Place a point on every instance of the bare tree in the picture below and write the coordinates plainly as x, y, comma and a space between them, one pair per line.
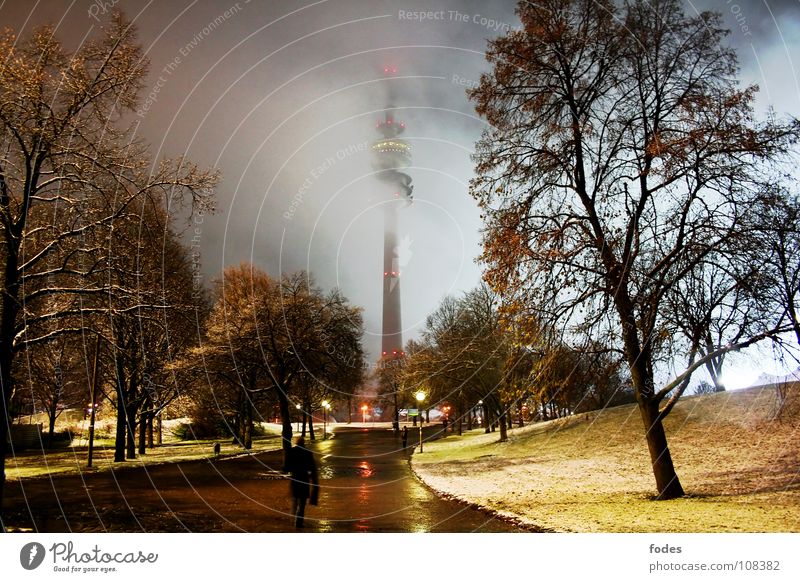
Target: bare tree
389, 377
461, 356
621, 155
283, 337
67, 151
52, 376
704, 388
776, 224
152, 318
234, 368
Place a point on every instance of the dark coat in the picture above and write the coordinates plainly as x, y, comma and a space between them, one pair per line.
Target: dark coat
303, 473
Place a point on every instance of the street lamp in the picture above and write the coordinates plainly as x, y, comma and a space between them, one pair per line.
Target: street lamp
325, 406
297, 406
364, 413
420, 398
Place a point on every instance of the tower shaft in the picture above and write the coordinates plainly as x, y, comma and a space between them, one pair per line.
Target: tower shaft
392, 341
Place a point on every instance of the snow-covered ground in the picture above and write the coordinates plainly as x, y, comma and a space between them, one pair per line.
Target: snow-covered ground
591, 473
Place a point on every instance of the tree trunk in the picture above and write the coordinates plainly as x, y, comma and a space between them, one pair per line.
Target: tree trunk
131, 429
503, 429
143, 432
4, 436
237, 437
247, 436
311, 425
714, 368
667, 482
119, 441
150, 423
520, 412
9, 253
286, 420
249, 410
132, 407
144, 421
159, 433
240, 422
487, 425
51, 428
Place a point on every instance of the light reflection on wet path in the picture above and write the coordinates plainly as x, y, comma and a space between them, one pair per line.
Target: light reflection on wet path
367, 485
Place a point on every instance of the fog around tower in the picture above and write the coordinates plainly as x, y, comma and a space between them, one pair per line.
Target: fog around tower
283, 97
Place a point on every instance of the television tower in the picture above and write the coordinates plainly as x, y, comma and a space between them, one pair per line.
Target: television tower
391, 156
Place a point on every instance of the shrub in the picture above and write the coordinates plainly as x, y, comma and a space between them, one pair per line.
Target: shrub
704, 388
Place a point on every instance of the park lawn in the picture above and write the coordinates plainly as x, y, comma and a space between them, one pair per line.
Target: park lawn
739, 466
73, 459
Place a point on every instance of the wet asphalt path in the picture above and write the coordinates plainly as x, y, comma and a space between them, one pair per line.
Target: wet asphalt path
366, 485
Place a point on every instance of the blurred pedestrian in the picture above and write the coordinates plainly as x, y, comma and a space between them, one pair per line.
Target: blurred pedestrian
304, 483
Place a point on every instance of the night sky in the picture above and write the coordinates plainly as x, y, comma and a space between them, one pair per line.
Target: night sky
283, 98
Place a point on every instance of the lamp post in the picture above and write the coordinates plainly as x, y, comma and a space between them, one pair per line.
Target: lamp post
420, 398
325, 406
297, 406
364, 413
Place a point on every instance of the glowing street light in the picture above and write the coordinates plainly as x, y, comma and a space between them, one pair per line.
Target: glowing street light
364, 413
420, 399
325, 407
297, 406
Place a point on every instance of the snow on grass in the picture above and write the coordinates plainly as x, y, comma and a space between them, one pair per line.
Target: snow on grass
37, 463
738, 464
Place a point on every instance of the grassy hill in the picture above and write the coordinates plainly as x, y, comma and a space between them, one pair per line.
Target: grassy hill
737, 459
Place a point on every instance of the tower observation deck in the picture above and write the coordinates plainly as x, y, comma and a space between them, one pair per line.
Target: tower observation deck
391, 155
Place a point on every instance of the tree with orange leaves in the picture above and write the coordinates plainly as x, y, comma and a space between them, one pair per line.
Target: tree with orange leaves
621, 156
